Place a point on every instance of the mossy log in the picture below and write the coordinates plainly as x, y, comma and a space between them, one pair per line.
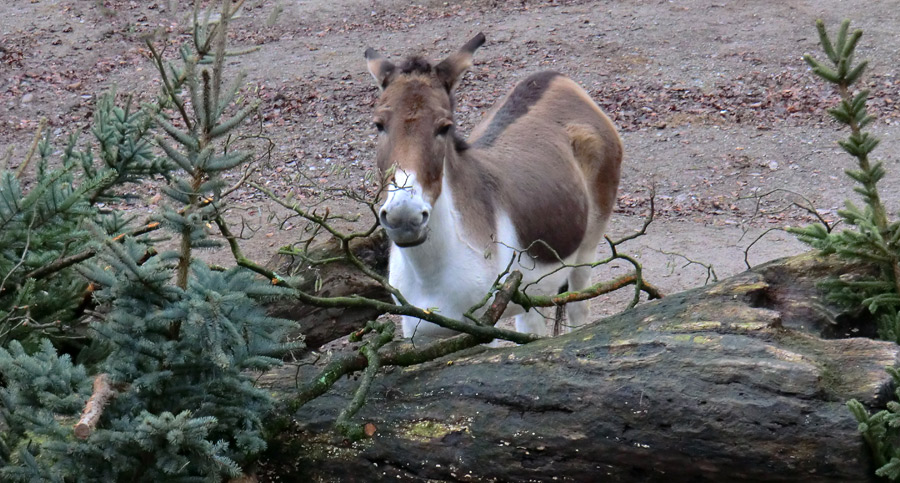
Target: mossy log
730, 382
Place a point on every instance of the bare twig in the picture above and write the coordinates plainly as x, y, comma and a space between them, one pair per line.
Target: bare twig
755, 240
807, 205
22, 258
323, 222
7, 158
710, 271
647, 221
384, 334
240, 182
34, 144
405, 309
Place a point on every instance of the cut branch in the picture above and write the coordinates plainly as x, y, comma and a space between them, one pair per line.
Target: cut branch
101, 395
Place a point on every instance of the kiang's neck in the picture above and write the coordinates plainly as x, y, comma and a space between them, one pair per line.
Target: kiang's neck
447, 236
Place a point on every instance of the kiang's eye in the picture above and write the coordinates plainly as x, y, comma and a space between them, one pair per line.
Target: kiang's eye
379, 125
444, 128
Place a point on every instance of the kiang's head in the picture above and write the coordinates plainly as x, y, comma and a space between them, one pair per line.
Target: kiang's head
414, 118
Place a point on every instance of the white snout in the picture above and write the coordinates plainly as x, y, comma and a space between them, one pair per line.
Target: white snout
404, 215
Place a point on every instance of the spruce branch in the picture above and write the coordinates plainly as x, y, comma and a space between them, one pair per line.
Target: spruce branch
170, 86
188, 410
63, 263
183, 137
218, 65
239, 117
873, 239
852, 112
710, 270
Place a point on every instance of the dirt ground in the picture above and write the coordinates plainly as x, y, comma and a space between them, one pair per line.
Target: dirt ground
713, 100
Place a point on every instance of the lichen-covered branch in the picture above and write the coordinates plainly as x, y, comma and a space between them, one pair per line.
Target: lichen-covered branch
384, 334
405, 353
595, 290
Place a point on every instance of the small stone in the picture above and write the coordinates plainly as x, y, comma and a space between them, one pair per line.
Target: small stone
27, 98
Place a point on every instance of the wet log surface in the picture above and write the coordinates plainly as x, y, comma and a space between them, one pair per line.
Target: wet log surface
730, 382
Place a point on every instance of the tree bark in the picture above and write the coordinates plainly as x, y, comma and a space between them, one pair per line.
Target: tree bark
721, 383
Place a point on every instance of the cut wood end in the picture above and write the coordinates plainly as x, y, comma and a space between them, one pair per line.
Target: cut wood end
83, 430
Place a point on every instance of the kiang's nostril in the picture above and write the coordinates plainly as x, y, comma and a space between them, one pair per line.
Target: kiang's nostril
382, 216
424, 216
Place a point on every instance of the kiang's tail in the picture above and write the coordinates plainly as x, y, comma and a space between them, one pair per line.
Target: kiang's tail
560, 313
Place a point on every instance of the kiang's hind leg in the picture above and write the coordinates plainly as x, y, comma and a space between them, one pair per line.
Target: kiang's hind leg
579, 279
598, 151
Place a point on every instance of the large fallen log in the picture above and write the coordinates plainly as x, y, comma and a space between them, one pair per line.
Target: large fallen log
722, 383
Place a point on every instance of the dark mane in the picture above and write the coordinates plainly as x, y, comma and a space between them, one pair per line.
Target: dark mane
415, 65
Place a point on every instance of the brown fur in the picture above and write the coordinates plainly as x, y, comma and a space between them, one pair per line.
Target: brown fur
561, 159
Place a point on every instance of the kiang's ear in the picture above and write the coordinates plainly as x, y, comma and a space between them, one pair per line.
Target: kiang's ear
451, 69
380, 68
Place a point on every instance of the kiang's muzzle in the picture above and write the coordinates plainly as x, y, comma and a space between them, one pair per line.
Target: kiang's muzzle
404, 215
